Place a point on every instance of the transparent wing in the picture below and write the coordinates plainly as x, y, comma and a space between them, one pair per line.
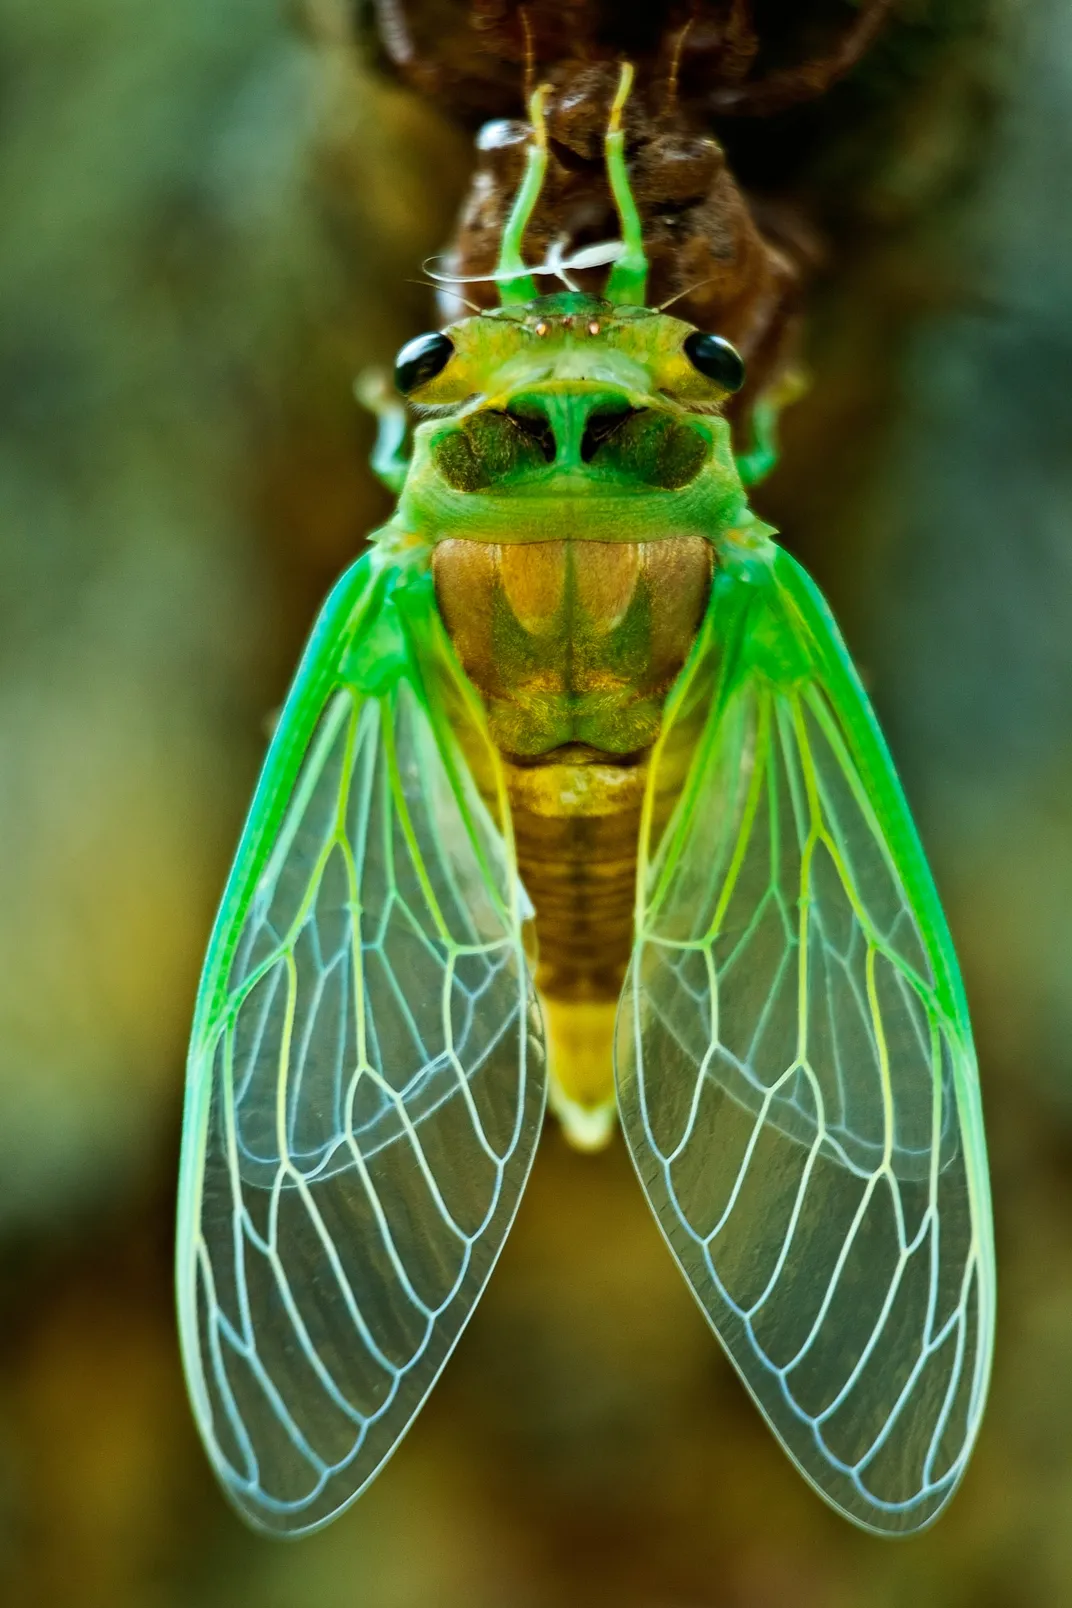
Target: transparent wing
366, 1076
795, 1068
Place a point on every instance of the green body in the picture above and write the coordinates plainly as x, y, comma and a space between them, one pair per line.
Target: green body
576, 769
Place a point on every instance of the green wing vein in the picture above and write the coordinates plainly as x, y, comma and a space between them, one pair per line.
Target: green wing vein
366, 1085
796, 1075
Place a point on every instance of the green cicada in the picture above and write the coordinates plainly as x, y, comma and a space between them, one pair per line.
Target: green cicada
577, 794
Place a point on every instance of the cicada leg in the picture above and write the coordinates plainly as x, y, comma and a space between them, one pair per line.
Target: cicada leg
390, 454
763, 454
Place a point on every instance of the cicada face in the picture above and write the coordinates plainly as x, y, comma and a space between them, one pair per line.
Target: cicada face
571, 404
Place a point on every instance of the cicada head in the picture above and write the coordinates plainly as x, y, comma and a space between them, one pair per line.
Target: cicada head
571, 391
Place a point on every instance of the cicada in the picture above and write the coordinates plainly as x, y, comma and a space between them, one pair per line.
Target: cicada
577, 797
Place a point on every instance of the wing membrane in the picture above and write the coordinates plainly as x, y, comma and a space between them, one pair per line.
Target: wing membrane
795, 1067
366, 1076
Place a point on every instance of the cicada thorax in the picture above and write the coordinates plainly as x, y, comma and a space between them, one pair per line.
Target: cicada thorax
573, 642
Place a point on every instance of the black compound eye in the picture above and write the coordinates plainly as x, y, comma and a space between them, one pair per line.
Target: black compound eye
421, 359
715, 358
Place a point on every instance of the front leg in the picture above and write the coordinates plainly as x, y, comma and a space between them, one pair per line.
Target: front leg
756, 463
390, 454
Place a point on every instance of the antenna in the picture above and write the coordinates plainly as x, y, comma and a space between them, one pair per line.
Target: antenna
675, 68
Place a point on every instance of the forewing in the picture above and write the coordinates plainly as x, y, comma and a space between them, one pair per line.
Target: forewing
366, 1077
795, 1068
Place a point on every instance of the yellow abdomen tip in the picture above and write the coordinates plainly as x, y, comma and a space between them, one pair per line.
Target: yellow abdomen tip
580, 1042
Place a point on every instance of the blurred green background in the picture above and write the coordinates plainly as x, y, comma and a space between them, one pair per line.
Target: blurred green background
212, 216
